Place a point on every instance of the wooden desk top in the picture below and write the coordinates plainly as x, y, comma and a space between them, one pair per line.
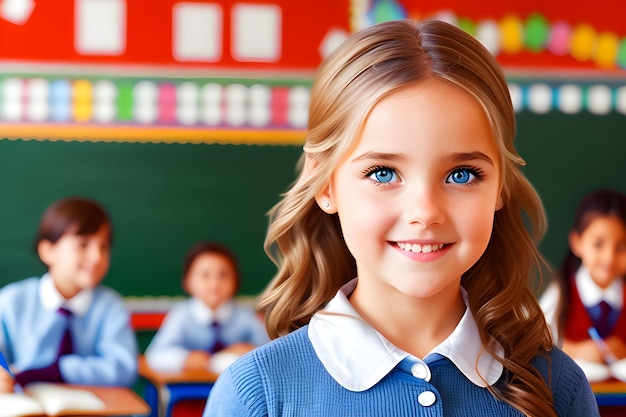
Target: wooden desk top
163, 378
118, 401
612, 386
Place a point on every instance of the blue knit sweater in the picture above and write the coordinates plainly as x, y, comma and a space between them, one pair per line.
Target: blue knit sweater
285, 378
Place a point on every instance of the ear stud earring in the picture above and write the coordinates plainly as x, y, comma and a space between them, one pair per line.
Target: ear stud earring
326, 204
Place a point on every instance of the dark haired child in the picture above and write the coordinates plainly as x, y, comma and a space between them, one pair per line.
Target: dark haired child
65, 326
585, 304
210, 329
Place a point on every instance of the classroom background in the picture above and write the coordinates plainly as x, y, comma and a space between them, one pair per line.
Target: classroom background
186, 119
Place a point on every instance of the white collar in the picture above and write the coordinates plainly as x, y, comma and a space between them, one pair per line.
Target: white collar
52, 299
358, 357
591, 294
204, 315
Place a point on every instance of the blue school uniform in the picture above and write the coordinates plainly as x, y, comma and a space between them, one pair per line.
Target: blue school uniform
339, 365
104, 347
187, 327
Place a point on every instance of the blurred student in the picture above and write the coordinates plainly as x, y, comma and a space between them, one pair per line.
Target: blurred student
585, 304
65, 326
210, 329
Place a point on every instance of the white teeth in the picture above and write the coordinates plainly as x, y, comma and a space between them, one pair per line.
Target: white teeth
417, 248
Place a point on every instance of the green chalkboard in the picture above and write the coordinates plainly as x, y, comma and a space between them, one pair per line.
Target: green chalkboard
568, 156
164, 197
161, 197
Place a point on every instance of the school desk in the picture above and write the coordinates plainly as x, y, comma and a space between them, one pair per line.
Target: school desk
118, 401
186, 385
610, 393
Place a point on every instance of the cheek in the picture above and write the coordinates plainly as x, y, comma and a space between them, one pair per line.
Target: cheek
104, 263
366, 233
621, 260
364, 218
587, 254
229, 289
194, 285
220, 286
477, 229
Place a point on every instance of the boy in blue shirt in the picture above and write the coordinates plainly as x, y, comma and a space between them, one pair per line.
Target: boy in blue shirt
65, 326
210, 329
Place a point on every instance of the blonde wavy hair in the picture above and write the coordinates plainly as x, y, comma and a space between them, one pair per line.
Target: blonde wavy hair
307, 244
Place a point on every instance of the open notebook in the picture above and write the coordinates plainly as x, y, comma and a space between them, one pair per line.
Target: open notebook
51, 400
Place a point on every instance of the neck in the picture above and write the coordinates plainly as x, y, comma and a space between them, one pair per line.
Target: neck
413, 324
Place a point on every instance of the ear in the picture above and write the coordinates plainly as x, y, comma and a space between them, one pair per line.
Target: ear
325, 200
45, 250
499, 202
574, 242
185, 285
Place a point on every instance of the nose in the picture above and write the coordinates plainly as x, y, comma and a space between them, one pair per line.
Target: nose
425, 206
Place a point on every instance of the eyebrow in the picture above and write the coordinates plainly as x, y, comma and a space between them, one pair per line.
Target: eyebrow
381, 156
471, 156
393, 157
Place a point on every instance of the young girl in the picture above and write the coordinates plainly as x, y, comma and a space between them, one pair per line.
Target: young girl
589, 290
210, 329
65, 326
411, 183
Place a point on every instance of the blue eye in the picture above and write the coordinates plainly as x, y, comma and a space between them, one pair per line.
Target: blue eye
461, 176
382, 175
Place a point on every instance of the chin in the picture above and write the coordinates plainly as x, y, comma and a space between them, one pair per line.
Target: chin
211, 305
89, 283
420, 290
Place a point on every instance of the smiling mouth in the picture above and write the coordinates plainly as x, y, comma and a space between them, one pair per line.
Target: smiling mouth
417, 248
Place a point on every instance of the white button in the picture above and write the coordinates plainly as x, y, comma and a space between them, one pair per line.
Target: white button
427, 398
421, 370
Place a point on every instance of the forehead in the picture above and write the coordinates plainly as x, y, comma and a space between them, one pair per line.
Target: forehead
104, 231
211, 259
610, 227
434, 112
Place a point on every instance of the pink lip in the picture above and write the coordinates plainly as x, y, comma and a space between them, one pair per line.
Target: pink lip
423, 257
